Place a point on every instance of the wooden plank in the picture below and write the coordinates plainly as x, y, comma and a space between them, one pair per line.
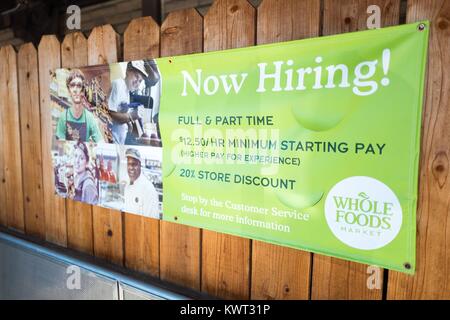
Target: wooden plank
334, 278
180, 254
141, 41
342, 16
49, 59
280, 272
79, 226
9, 106
30, 129
225, 265
432, 278
3, 217
181, 33
3, 212
225, 258
338, 279
287, 20
103, 47
229, 24
79, 214
74, 50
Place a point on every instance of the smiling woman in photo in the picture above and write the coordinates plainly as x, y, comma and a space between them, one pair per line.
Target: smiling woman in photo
85, 185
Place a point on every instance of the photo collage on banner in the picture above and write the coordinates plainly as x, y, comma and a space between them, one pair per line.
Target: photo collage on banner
106, 147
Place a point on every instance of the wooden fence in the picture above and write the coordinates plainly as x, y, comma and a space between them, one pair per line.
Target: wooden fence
221, 265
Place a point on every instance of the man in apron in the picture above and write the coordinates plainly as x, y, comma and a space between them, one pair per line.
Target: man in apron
77, 123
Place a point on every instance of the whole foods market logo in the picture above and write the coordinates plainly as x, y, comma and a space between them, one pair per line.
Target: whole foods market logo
363, 213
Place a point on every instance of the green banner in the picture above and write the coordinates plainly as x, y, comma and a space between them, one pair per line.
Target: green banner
311, 144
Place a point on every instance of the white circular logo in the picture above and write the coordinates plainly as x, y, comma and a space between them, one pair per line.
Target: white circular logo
363, 213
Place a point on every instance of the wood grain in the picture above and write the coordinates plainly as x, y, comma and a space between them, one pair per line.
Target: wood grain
141, 41
9, 106
225, 258
74, 50
287, 20
181, 33
229, 24
281, 272
30, 132
432, 278
3, 217
103, 47
338, 279
49, 59
341, 16
79, 214
3, 212
332, 277
79, 226
180, 254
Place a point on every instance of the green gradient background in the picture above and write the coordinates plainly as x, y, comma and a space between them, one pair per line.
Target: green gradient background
392, 115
